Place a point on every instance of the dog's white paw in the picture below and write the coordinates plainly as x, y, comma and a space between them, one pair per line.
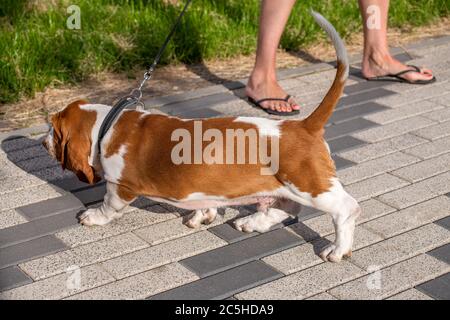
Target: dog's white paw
255, 222
93, 217
198, 217
261, 221
332, 253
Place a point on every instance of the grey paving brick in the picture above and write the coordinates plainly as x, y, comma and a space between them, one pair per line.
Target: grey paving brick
356, 112
445, 222
347, 127
443, 100
430, 149
70, 183
306, 283
27, 153
410, 218
441, 253
438, 288
322, 296
306, 255
418, 192
52, 173
141, 285
37, 228
25, 251
410, 294
345, 143
403, 112
161, 254
12, 277
199, 113
224, 284
305, 71
401, 247
308, 213
230, 234
434, 132
425, 169
60, 286
375, 150
11, 144
193, 94
412, 94
428, 43
375, 186
34, 131
91, 195
241, 252
341, 163
375, 167
10, 184
135, 219
364, 86
363, 97
441, 115
394, 279
10, 218
378, 133
174, 228
198, 103
81, 256
50, 207
29, 195
38, 163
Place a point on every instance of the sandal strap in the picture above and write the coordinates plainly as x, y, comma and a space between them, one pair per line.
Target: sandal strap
416, 69
274, 99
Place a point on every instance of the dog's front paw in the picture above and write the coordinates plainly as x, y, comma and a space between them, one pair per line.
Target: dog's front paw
332, 253
93, 217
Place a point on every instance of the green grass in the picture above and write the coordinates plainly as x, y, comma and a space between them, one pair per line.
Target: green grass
38, 50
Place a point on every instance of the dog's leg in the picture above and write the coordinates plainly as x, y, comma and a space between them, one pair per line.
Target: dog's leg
344, 210
202, 216
261, 221
111, 207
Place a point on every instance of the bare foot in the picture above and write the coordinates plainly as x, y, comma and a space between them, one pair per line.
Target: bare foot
261, 89
382, 64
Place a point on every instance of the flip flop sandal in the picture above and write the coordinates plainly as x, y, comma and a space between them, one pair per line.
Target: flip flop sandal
270, 111
397, 77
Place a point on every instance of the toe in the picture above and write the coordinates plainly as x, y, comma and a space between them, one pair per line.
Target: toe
293, 104
278, 107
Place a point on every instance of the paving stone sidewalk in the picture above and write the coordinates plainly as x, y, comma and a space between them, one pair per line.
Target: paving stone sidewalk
391, 145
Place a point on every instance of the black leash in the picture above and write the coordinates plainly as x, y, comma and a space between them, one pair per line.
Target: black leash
134, 98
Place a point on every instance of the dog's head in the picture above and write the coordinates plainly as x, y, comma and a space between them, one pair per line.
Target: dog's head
69, 140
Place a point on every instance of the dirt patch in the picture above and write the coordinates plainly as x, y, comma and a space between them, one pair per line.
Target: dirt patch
168, 80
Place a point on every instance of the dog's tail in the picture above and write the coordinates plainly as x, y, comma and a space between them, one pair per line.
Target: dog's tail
317, 120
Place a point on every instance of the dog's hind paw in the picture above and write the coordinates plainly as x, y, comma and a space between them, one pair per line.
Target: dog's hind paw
332, 253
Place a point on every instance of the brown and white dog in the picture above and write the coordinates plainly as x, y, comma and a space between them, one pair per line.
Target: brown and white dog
137, 160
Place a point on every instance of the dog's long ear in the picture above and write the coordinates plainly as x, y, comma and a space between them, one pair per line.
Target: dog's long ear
79, 149
60, 139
